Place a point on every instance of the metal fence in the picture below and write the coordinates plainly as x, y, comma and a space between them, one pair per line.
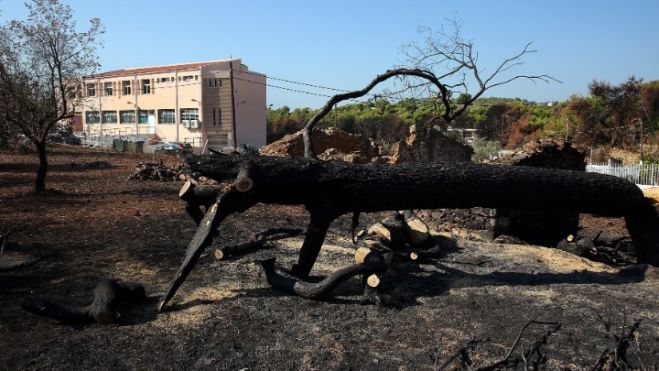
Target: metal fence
647, 174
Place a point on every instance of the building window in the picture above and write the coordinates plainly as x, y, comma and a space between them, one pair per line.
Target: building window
110, 117
91, 90
127, 117
108, 88
214, 83
144, 115
188, 77
166, 116
217, 116
125, 87
189, 114
92, 117
146, 86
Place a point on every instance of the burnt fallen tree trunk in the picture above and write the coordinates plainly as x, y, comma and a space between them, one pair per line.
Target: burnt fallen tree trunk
108, 295
331, 189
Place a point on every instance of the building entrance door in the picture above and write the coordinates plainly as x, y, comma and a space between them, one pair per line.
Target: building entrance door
152, 122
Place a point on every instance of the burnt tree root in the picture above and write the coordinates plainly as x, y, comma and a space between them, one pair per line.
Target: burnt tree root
108, 296
373, 263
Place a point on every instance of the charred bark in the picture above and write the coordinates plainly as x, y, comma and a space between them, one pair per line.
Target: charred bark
330, 189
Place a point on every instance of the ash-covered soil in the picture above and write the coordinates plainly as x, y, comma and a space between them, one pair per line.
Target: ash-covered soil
460, 309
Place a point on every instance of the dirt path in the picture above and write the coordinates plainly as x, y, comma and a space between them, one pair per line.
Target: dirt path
98, 224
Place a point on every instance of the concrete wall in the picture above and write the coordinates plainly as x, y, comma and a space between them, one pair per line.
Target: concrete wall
250, 101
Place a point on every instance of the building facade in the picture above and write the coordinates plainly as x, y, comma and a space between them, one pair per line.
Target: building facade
214, 104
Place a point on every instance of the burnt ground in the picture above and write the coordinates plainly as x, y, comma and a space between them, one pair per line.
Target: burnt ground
473, 297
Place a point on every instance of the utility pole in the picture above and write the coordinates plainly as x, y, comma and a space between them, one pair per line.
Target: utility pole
233, 106
177, 115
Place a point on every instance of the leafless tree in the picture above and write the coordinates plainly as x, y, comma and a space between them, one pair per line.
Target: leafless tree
440, 66
41, 61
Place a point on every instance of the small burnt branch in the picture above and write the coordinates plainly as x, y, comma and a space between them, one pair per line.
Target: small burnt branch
553, 327
257, 242
533, 354
4, 238
618, 359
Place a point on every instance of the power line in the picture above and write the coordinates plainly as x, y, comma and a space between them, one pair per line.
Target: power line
291, 90
374, 95
297, 82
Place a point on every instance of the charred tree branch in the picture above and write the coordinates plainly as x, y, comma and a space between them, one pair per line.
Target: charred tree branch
108, 295
427, 75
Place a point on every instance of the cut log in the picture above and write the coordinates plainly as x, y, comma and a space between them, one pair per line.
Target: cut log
399, 232
361, 253
108, 295
373, 280
379, 230
245, 179
374, 246
414, 255
419, 233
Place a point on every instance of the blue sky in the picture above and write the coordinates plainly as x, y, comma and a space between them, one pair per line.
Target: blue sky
344, 44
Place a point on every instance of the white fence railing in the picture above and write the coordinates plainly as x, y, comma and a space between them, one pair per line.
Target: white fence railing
647, 174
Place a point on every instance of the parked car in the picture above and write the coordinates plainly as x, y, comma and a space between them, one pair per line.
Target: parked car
63, 137
68, 138
173, 147
54, 137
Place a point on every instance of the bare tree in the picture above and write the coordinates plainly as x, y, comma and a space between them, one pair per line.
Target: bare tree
41, 61
447, 65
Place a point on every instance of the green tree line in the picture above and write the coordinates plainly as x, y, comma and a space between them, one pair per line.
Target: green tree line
610, 115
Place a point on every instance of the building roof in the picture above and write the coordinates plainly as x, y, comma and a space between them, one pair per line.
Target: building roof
155, 69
